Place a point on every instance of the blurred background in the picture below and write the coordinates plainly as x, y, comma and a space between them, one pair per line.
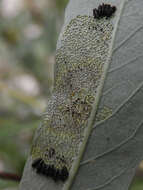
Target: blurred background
28, 34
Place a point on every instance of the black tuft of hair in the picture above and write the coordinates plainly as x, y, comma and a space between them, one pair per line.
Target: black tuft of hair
50, 171
104, 10
36, 162
64, 173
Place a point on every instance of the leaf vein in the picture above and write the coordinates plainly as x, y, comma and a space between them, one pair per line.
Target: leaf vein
127, 38
121, 106
109, 181
123, 65
114, 148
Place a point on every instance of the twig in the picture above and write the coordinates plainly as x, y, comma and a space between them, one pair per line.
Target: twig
10, 176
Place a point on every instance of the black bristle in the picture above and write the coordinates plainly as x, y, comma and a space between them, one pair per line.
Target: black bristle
56, 175
50, 170
39, 167
36, 162
95, 13
51, 152
46, 172
64, 174
100, 10
104, 10
43, 165
114, 9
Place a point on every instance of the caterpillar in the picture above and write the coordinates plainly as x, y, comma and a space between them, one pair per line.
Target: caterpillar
104, 10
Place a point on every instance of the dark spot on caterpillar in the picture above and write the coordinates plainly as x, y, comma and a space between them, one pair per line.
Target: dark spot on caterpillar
51, 152
50, 171
101, 29
36, 162
56, 175
104, 10
64, 174
73, 113
61, 159
94, 28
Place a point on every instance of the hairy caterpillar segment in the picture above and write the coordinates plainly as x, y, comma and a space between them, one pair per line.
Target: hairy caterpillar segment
103, 113
50, 170
104, 10
79, 67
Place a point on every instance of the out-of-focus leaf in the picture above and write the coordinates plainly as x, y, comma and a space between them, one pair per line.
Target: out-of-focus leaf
61, 4
10, 145
7, 184
12, 127
137, 184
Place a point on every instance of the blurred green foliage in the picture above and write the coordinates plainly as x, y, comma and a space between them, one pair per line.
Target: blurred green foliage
27, 48
61, 4
7, 184
137, 184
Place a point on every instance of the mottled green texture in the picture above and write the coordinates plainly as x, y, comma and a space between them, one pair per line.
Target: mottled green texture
78, 70
103, 114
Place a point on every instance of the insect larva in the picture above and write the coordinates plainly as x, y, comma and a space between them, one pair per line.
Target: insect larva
104, 10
